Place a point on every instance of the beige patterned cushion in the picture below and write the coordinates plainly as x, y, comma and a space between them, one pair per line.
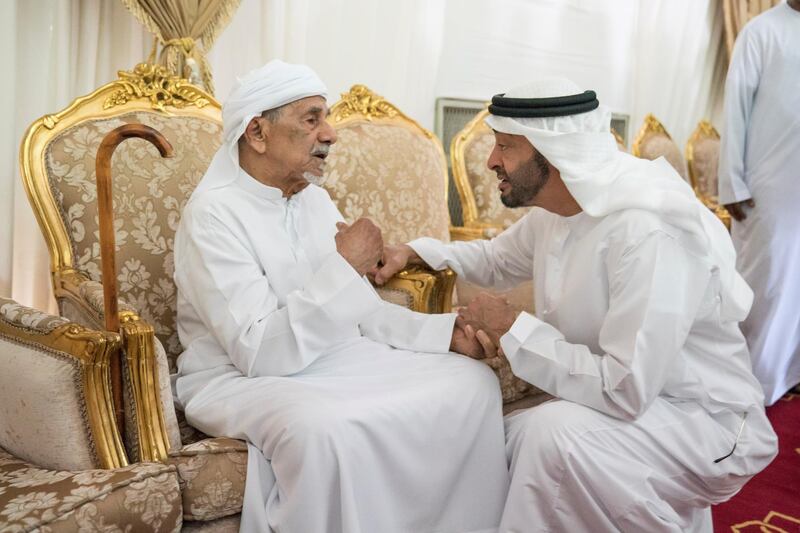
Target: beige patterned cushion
483, 181
142, 497
212, 474
28, 318
42, 406
656, 144
149, 194
392, 175
705, 165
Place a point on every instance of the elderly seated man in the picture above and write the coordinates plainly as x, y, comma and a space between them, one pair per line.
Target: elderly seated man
357, 416
657, 414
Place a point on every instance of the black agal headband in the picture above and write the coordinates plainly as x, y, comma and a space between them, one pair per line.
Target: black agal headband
557, 106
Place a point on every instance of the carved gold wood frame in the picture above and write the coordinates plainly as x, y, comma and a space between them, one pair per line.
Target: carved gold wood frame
147, 88
704, 130
458, 148
650, 126
93, 350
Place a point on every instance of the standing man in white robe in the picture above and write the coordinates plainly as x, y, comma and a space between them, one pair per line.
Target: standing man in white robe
759, 184
656, 414
357, 416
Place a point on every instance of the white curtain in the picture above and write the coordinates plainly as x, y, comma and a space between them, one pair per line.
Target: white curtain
659, 56
52, 51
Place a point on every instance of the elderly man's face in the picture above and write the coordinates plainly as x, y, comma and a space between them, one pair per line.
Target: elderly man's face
521, 169
300, 137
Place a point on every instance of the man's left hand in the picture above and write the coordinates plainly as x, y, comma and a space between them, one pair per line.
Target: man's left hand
492, 314
473, 343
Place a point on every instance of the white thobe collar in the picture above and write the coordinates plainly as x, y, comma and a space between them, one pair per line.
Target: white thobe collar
253, 186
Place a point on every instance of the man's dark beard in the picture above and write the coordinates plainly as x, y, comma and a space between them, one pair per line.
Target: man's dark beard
526, 181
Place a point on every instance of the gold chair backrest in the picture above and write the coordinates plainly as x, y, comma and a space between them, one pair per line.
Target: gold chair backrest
476, 184
653, 141
58, 167
387, 167
702, 158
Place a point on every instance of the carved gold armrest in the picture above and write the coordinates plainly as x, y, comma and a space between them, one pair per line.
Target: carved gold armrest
428, 291
81, 299
93, 351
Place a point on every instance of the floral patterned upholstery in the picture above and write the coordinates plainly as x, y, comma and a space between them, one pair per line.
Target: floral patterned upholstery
212, 475
142, 497
653, 142
149, 194
28, 318
391, 174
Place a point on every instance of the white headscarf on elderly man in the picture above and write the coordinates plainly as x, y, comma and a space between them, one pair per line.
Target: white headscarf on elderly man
603, 179
268, 87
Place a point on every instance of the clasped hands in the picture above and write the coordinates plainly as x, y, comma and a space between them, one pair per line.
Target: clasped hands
478, 326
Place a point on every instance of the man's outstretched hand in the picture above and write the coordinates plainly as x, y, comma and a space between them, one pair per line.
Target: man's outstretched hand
492, 314
737, 210
360, 243
395, 258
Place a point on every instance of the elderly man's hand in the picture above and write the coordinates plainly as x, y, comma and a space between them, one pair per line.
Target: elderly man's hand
473, 343
491, 313
395, 258
361, 244
736, 209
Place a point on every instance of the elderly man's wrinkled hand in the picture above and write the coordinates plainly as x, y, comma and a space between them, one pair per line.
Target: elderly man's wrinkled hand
737, 210
491, 313
395, 258
360, 243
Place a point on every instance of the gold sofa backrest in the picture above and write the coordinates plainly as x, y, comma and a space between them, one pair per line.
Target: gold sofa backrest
653, 141
476, 184
702, 158
58, 167
387, 167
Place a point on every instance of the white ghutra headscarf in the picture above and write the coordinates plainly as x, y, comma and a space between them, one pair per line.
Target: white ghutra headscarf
271, 86
603, 180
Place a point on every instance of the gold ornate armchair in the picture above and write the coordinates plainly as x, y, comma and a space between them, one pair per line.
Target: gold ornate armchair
62, 463
653, 141
387, 167
57, 160
702, 158
480, 200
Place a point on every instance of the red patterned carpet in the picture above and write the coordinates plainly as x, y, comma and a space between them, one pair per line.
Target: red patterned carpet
770, 502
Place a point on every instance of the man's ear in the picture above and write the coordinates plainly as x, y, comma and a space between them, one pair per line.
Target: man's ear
255, 134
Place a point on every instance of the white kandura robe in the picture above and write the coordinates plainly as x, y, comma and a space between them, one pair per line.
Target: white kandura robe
652, 385
760, 159
289, 349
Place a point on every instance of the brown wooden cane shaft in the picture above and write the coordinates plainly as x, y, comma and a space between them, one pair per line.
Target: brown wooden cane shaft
105, 213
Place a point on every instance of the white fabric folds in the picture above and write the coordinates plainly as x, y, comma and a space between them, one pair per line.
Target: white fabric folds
604, 180
271, 86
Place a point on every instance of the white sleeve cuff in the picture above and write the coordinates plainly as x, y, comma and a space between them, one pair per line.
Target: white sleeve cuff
336, 284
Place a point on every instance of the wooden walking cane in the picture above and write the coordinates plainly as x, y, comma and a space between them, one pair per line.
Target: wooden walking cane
105, 213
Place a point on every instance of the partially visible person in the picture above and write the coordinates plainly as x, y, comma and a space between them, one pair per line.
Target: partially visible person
636, 333
759, 184
357, 416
